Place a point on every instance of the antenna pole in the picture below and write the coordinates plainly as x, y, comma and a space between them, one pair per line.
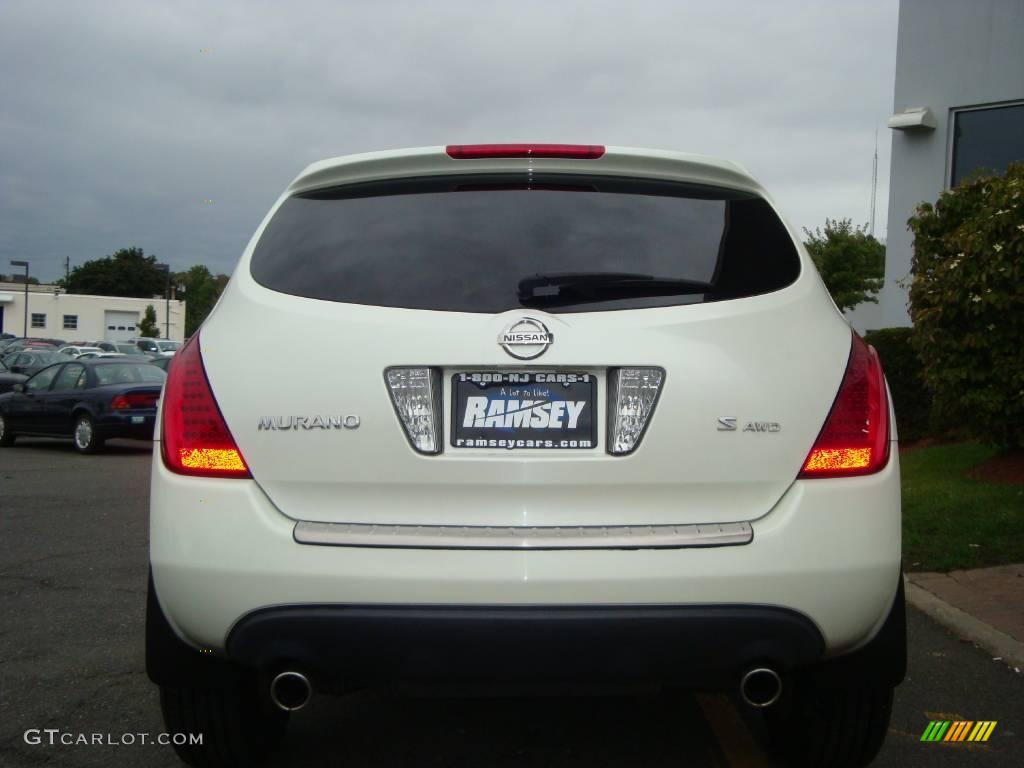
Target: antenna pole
874, 184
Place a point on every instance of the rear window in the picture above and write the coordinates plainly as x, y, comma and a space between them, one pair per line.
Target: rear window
128, 374
467, 244
43, 358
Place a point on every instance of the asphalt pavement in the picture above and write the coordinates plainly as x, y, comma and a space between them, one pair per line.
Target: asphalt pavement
73, 561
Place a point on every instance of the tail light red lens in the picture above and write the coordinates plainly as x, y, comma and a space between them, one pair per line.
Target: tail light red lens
134, 400
195, 438
855, 438
479, 151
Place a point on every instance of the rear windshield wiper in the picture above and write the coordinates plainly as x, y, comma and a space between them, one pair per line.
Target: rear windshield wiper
577, 287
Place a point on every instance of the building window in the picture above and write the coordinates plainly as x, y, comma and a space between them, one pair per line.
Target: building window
38, 320
988, 138
70, 322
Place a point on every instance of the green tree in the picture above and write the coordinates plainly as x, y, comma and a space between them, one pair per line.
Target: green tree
968, 307
127, 272
850, 261
148, 327
201, 290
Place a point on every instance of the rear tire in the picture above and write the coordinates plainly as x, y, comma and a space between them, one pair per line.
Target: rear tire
238, 726
833, 727
84, 435
6, 436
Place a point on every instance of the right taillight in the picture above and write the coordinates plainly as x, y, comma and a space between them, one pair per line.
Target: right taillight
855, 438
195, 439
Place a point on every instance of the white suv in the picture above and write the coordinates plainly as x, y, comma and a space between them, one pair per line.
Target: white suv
563, 414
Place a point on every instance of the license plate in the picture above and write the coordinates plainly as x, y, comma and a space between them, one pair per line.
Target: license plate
138, 419
524, 409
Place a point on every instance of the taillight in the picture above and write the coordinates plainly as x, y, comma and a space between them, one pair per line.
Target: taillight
195, 439
479, 151
855, 438
133, 400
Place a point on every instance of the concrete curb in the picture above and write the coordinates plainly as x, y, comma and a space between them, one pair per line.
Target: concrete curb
989, 638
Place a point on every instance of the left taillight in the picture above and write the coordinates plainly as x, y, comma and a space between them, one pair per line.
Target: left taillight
131, 400
855, 438
195, 440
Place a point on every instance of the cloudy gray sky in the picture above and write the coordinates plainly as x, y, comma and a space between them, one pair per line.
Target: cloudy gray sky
118, 119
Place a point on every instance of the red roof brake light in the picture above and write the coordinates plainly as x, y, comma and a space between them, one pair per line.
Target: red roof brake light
195, 438
855, 438
481, 151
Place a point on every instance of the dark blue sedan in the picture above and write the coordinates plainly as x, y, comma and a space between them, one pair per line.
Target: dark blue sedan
89, 401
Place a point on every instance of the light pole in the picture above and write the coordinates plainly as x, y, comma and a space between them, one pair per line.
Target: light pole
24, 264
167, 301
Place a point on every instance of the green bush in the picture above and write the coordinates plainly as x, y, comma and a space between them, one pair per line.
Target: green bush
910, 396
967, 304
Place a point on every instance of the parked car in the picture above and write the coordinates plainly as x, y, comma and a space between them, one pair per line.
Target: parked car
168, 347
77, 351
91, 355
147, 346
19, 345
593, 418
161, 362
9, 379
128, 348
89, 401
28, 361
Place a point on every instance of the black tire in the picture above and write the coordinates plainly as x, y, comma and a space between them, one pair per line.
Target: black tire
6, 436
238, 726
833, 727
84, 435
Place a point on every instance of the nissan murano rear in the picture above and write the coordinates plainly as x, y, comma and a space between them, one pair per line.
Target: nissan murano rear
554, 416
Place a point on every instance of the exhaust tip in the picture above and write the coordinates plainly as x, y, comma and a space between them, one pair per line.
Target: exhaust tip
761, 687
290, 691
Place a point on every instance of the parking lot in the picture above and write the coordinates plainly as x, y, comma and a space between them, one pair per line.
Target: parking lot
73, 566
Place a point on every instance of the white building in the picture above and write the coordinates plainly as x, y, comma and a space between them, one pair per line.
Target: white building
959, 106
72, 317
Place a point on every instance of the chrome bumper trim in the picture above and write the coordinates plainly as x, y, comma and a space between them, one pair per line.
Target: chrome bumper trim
523, 538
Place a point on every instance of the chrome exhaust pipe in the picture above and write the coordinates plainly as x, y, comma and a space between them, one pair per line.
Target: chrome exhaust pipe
761, 687
290, 691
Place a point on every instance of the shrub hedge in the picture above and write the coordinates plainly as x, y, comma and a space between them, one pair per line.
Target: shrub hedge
967, 304
910, 396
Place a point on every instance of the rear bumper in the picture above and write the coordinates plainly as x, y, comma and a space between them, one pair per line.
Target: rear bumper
111, 425
344, 647
829, 551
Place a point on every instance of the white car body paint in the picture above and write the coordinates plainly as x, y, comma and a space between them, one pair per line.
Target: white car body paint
829, 549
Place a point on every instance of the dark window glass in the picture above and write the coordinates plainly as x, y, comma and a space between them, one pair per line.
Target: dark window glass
71, 322
128, 374
38, 320
68, 378
42, 380
465, 244
42, 358
987, 139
